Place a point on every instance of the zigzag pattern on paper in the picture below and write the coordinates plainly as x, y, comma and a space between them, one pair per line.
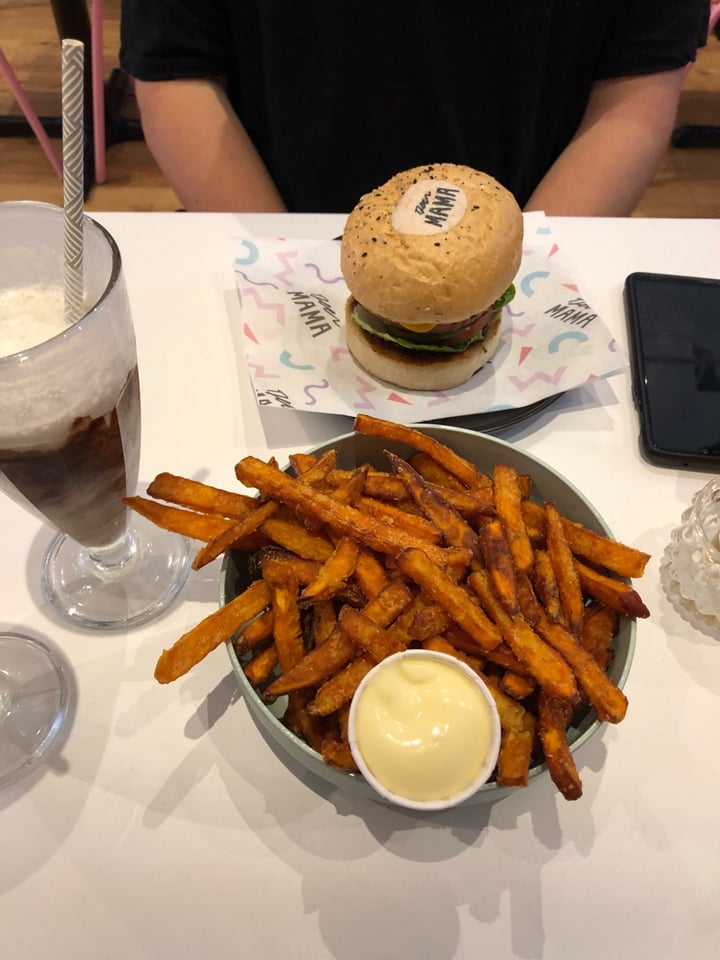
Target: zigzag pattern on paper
261, 373
337, 353
554, 379
363, 390
284, 259
274, 307
521, 331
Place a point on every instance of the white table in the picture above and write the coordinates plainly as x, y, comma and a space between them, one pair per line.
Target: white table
167, 827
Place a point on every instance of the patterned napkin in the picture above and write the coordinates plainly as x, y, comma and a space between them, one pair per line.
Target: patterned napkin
293, 306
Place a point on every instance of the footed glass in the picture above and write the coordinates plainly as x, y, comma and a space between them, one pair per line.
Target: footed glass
70, 424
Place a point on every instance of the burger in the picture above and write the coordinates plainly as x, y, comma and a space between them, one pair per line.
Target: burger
429, 259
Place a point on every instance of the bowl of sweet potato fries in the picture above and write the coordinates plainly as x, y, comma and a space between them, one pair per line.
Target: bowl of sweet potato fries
394, 537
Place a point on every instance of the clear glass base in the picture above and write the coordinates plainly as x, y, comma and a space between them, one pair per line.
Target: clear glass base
123, 585
34, 701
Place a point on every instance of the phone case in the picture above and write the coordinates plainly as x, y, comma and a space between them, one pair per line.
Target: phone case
653, 452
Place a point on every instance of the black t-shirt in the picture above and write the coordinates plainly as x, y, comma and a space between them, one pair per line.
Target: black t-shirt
338, 97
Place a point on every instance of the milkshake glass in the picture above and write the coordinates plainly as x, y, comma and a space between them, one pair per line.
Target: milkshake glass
70, 423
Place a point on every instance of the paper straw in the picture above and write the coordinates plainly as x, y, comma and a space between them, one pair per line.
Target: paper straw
73, 173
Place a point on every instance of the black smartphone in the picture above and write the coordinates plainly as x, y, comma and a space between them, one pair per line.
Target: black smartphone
674, 332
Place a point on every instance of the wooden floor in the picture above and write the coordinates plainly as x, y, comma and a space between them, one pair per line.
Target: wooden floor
687, 185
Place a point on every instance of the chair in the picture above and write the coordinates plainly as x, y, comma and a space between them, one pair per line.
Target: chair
30, 115
104, 123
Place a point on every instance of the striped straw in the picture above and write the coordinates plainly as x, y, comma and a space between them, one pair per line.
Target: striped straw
73, 174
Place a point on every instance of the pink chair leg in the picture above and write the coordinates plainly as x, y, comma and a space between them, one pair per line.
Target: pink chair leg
30, 115
98, 88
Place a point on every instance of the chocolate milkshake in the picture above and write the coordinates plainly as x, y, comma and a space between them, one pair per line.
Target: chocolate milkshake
71, 455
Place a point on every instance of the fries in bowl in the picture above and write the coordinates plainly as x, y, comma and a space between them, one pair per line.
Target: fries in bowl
396, 537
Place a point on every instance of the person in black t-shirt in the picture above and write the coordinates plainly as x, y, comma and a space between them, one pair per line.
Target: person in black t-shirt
279, 104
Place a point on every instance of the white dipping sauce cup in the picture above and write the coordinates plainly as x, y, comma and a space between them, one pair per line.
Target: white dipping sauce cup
483, 713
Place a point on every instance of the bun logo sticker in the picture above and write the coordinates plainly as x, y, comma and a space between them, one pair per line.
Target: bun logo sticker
429, 206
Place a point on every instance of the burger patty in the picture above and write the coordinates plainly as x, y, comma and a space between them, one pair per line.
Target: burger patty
444, 337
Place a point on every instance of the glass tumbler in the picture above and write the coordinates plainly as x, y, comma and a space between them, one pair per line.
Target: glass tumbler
692, 560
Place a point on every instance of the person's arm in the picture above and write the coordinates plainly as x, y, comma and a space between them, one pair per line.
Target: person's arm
203, 149
617, 149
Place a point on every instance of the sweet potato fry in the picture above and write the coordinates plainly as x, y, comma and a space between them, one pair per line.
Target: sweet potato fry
339, 690
553, 716
499, 563
517, 737
513, 766
616, 594
455, 599
544, 663
287, 630
546, 586
454, 528
376, 641
609, 701
324, 622
599, 626
235, 535
442, 645
337, 753
593, 547
465, 471
261, 667
314, 730
508, 506
200, 497
397, 517
563, 564
254, 633
333, 574
370, 574
315, 667
352, 488
432, 471
376, 483
194, 645
618, 557
313, 469
196, 526
319, 664
294, 537
425, 619
304, 570
517, 685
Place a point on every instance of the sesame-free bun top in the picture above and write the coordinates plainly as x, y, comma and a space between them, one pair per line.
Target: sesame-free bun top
435, 244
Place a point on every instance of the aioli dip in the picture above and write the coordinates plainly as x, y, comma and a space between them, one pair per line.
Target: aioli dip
424, 729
